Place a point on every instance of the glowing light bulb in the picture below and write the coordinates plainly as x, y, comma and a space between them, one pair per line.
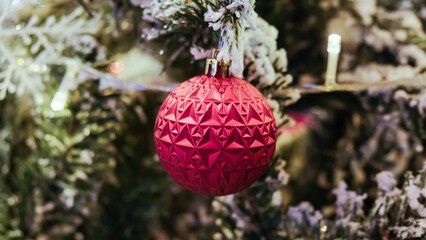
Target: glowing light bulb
59, 100
15, 2
333, 49
116, 67
334, 41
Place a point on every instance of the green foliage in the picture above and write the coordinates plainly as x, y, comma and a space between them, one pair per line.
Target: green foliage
50, 169
91, 172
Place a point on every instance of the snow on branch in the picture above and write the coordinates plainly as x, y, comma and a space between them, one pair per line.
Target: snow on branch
246, 39
27, 51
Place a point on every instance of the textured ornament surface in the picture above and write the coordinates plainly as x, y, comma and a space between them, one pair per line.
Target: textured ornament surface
215, 136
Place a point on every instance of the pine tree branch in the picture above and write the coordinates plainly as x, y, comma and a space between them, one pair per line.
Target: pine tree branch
85, 7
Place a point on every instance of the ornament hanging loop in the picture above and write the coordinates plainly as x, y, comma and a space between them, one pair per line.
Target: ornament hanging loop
217, 68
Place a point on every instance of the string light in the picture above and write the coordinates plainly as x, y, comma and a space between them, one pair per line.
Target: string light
107, 80
333, 50
20, 61
60, 98
15, 2
116, 67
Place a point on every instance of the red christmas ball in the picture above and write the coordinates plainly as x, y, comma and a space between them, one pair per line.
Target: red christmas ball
215, 135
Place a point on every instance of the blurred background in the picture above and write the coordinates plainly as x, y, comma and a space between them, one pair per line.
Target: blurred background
81, 83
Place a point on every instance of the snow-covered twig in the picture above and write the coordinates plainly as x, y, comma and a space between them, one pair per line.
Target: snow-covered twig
246, 39
4, 13
28, 51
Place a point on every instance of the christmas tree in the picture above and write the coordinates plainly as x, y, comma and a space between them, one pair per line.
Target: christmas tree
82, 81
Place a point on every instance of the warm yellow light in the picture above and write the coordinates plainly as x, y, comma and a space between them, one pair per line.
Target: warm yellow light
333, 49
116, 67
334, 43
59, 100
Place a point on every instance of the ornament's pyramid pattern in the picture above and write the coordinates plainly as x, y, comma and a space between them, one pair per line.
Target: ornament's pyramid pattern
215, 136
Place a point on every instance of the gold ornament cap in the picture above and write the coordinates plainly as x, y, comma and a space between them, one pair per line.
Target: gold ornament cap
217, 68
